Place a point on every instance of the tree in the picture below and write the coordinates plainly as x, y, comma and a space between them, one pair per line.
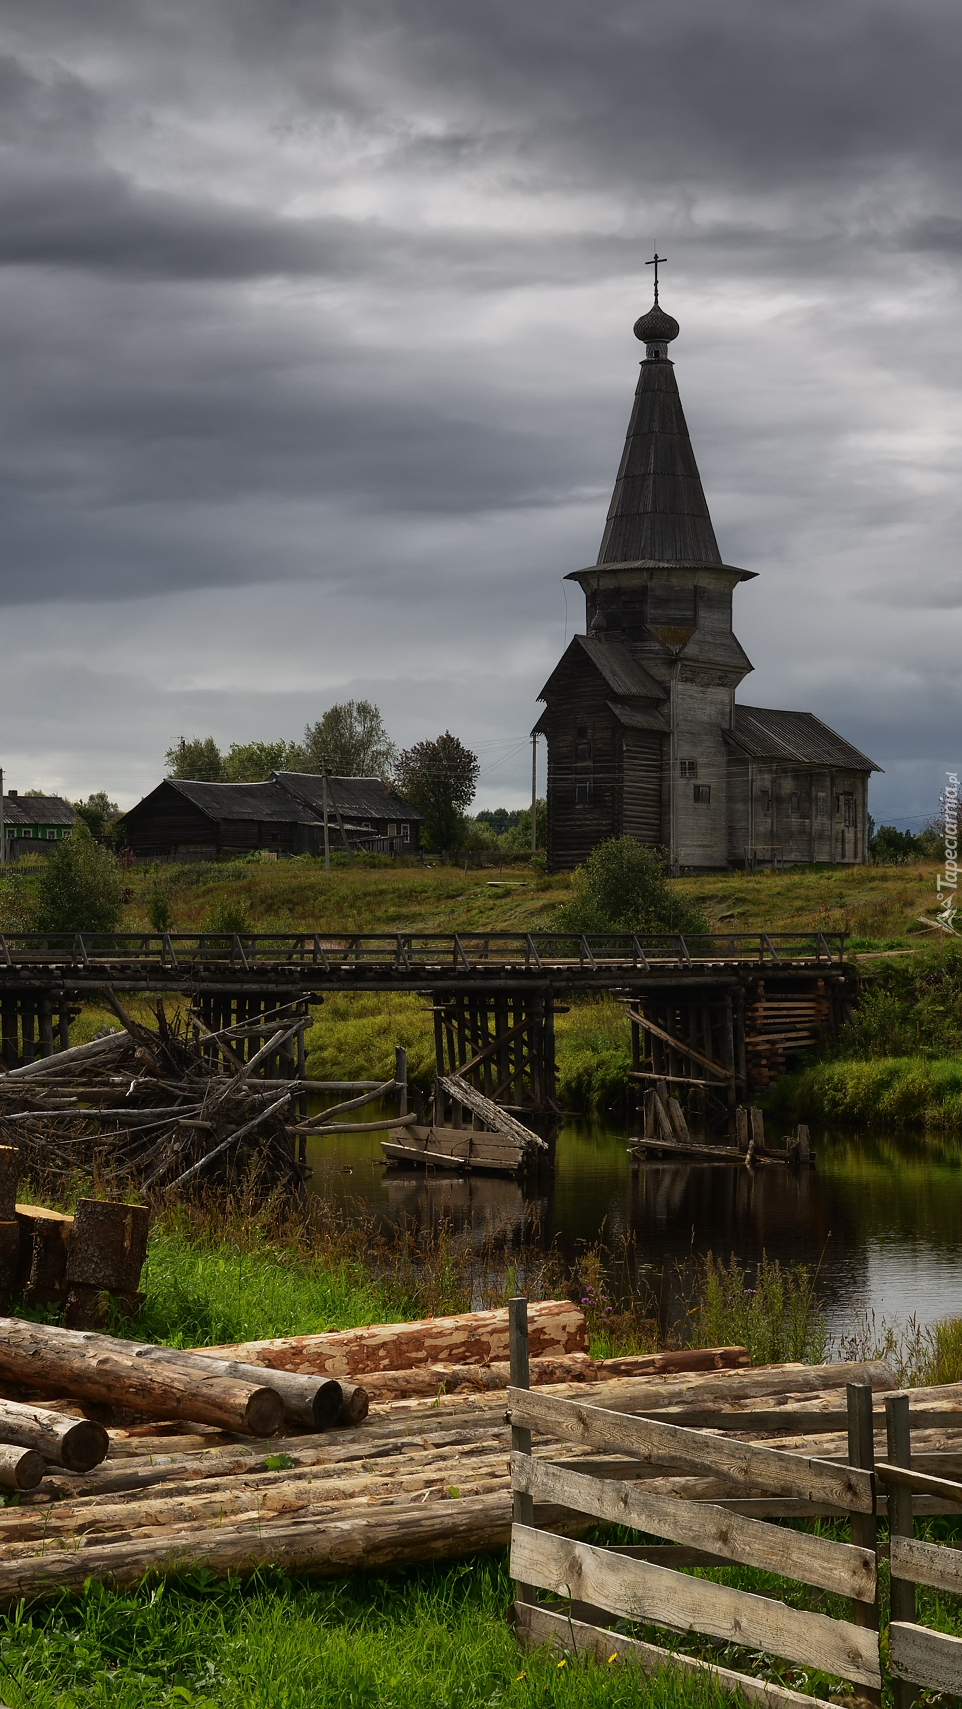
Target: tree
350, 740
889, 847
251, 762
439, 778
199, 760
622, 887
81, 887
98, 812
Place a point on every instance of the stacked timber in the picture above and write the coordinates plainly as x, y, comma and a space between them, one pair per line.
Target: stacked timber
777, 1026
487, 1137
416, 1482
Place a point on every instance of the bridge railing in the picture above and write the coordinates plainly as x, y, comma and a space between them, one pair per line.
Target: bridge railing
405, 951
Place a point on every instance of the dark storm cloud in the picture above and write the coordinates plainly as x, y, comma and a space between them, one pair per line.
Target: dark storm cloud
332, 300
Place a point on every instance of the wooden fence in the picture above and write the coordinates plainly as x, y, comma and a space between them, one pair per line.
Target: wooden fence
645, 1585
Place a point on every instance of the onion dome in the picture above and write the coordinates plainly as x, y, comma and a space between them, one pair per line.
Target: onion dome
656, 327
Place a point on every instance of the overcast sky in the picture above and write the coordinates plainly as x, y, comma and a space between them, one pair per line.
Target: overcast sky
316, 360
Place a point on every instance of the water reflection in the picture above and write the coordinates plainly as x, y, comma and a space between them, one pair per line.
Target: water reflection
880, 1216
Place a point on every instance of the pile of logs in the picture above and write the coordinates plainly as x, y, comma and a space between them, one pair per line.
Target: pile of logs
420, 1480
666, 1134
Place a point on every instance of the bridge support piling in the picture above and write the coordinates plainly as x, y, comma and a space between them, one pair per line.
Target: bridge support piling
503, 1044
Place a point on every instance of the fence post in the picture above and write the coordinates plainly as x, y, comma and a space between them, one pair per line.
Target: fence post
901, 1524
401, 1076
863, 1527
522, 1505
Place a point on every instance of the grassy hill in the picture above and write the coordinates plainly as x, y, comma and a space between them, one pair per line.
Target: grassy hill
879, 906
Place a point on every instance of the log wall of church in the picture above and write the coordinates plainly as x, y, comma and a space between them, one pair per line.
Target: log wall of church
806, 815
702, 712
644, 795
584, 776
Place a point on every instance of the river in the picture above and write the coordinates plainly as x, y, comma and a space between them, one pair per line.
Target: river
880, 1216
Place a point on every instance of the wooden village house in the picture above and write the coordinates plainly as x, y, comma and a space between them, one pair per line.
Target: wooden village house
32, 824
181, 820
644, 734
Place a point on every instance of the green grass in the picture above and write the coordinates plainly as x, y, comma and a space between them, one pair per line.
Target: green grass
434, 1638
892, 1091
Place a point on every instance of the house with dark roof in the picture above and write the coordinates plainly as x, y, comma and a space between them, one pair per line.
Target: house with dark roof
181, 820
644, 735
33, 823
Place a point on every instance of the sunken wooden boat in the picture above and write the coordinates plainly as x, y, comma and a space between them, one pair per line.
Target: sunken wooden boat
482, 1136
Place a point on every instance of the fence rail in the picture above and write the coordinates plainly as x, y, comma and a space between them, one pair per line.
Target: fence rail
404, 952
643, 1585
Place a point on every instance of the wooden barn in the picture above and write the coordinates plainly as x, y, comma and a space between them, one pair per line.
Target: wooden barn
182, 820
643, 731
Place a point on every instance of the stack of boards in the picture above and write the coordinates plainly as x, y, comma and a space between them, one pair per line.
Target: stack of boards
493, 1140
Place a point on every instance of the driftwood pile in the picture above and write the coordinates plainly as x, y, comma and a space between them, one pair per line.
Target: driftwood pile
421, 1479
159, 1107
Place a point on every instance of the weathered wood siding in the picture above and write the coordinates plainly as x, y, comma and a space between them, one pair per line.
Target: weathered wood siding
645, 756
702, 712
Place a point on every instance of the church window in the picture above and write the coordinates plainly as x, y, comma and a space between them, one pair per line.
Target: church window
796, 802
820, 806
688, 768
848, 809
583, 731
766, 796
583, 751
581, 794
703, 793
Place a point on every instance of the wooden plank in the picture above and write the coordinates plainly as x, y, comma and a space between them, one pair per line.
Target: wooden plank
838, 1567
636, 1590
694, 1451
494, 1045
676, 1044
543, 1626
921, 1482
935, 1564
902, 1598
932, 1659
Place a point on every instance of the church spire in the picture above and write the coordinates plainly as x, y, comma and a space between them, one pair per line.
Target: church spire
658, 512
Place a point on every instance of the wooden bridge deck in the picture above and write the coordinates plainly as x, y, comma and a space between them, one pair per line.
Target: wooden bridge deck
412, 961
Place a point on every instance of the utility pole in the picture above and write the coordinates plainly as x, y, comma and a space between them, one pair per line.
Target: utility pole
3, 828
337, 815
534, 792
327, 835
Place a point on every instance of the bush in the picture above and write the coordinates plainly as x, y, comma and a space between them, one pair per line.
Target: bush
81, 887
622, 887
229, 917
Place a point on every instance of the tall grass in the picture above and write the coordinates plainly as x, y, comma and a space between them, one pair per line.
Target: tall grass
897, 1091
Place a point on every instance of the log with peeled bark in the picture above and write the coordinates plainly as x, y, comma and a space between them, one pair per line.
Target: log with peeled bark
278, 1495
61, 1361
77, 1444
310, 1403
402, 1534
556, 1368
470, 1338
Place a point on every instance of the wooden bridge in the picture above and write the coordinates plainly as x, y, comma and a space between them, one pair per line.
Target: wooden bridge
719, 1011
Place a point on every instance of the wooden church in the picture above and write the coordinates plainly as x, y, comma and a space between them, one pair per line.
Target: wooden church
644, 735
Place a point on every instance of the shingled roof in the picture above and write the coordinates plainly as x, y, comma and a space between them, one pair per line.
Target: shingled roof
764, 733
359, 797
259, 801
658, 511
619, 668
37, 810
